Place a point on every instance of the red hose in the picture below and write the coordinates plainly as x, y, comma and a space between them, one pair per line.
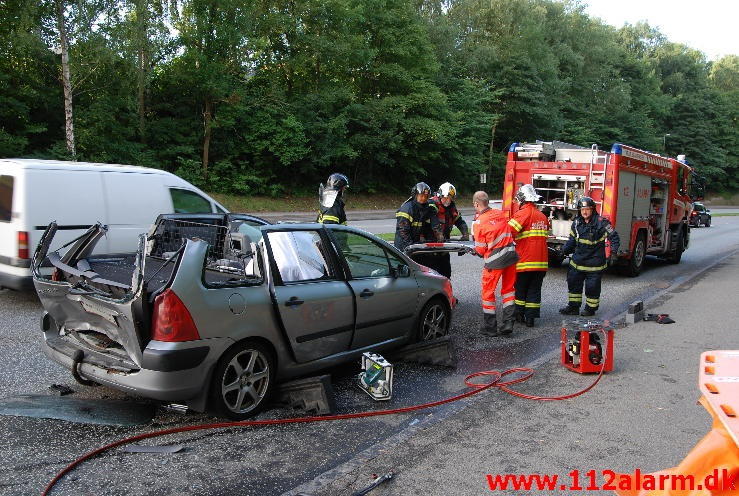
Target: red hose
476, 388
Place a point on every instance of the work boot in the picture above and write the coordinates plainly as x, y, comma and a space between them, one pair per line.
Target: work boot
588, 311
518, 316
489, 326
507, 327
569, 310
529, 321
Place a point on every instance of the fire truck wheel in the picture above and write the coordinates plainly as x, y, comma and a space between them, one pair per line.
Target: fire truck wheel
676, 255
636, 262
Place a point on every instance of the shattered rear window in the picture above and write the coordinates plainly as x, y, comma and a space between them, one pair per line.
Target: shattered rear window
6, 197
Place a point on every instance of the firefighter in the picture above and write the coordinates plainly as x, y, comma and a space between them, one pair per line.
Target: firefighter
449, 216
532, 228
494, 242
587, 246
331, 200
416, 222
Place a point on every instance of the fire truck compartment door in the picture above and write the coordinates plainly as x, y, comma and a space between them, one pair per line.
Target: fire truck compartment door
625, 207
634, 192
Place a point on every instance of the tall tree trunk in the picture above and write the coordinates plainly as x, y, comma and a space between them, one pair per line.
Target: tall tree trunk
66, 79
207, 122
490, 150
142, 35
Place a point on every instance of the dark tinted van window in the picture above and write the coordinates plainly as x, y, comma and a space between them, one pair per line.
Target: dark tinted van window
6, 197
188, 202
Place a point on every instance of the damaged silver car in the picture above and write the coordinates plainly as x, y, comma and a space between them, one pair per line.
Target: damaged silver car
214, 309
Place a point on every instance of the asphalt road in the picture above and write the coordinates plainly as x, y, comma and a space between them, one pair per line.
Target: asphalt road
274, 460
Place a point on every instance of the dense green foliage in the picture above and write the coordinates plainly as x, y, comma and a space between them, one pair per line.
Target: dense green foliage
269, 97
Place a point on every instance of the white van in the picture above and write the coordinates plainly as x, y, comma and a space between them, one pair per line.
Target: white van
76, 195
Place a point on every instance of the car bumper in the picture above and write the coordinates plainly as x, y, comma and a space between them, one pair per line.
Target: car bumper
16, 281
169, 372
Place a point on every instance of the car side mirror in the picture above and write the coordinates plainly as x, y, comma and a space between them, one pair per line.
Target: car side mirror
708, 211
401, 271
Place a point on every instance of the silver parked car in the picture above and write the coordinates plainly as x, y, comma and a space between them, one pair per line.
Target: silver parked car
214, 309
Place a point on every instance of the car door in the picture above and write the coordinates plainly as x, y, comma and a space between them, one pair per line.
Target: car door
386, 300
314, 302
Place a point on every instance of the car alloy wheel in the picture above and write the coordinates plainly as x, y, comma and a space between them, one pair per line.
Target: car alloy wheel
434, 321
243, 380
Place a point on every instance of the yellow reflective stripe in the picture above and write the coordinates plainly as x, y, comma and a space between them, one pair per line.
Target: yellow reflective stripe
519, 302
572, 233
416, 224
532, 233
515, 225
593, 300
587, 269
588, 242
404, 215
533, 305
532, 265
329, 217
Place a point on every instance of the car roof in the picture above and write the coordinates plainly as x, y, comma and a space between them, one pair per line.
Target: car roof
30, 163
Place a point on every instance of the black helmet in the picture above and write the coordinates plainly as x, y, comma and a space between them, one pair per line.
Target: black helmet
337, 181
420, 188
585, 201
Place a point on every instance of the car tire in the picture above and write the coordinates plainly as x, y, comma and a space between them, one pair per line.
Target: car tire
708, 222
433, 321
243, 380
636, 262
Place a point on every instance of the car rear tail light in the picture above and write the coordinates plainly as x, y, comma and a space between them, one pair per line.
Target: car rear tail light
171, 320
22, 244
693, 213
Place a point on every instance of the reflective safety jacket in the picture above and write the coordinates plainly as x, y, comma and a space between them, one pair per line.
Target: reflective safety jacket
334, 214
449, 217
414, 221
494, 239
532, 228
587, 243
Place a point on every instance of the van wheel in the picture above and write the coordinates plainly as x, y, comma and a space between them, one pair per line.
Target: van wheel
636, 262
433, 322
243, 380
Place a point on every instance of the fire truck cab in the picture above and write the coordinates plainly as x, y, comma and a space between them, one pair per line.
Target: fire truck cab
644, 195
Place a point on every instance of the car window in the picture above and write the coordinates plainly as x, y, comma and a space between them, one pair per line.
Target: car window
364, 257
188, 202
299, 256
6, 198
219, 209
699, 208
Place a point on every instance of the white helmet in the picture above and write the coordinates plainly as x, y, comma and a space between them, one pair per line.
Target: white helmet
527, 193
447, 189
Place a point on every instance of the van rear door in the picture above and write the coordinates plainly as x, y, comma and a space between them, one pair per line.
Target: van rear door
8, 232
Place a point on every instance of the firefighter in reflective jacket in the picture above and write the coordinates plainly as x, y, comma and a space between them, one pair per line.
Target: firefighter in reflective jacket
331, 200
494, 243
531, 229
587, 246
416, 222
449, 216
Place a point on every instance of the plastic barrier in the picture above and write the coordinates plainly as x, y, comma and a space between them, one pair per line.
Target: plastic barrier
712, 466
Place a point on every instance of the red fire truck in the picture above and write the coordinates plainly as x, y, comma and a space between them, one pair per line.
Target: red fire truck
644, 195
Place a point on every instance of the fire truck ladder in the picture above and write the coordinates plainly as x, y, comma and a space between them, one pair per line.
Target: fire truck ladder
597, 172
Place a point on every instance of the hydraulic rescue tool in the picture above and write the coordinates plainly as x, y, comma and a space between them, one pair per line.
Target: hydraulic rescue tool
376, 378
587, 346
